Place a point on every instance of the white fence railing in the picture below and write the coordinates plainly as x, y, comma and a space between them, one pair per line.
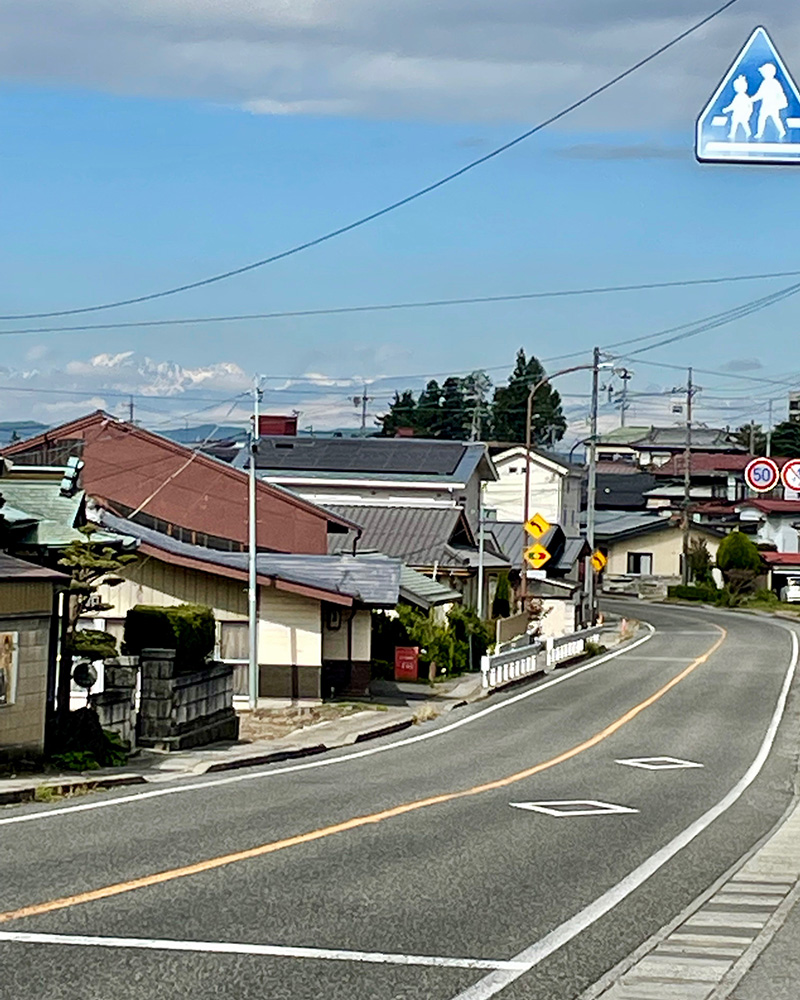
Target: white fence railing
538, 657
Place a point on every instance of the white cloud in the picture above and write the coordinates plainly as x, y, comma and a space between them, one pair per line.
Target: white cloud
453, 59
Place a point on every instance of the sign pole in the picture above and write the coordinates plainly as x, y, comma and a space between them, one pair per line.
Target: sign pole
252, 547
591, 499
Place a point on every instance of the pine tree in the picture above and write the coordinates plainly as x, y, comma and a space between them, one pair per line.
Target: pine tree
786, 439
509, 407
428, 409
402, 413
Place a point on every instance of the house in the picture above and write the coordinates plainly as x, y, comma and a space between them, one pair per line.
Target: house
30, 642
554, 488
187, 513
388, 471
713, 476
646, 548
411, 498
774, 523
652, 447
621, 486
159, 483
436, 541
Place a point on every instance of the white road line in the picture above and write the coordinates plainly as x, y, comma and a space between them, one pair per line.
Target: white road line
561, 935
270, 950
330, 761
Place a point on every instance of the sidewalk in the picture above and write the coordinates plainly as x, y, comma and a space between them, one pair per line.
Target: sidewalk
392, 708
741, 943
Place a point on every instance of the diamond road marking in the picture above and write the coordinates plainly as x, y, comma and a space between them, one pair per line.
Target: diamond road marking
659, 763
574, 807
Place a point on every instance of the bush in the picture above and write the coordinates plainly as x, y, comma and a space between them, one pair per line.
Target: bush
501, 605
187, 628
706, 592
92, 644
82, 744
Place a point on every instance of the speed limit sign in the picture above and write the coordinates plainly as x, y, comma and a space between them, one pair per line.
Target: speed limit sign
762, 475
790, 475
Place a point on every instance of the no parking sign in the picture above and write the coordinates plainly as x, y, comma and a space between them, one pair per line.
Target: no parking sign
762, 475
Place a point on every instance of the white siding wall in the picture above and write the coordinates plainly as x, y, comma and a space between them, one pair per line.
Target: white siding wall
334, 643
507, 495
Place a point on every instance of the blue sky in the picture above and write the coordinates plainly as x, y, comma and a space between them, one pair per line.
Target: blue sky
116, 187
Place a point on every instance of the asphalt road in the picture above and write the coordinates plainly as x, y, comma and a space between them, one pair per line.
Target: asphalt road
393, 860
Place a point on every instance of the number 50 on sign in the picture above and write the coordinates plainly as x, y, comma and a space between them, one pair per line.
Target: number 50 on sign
762, 475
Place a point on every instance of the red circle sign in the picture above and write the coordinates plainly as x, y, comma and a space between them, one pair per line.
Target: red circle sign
762, 474
790, 475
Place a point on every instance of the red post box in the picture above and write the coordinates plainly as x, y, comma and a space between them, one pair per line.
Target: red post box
406, 663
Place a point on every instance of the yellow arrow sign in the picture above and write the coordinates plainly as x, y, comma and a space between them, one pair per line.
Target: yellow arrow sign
599, 561
537, 555
537, 526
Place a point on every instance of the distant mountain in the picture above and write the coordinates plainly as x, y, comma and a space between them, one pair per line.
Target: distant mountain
203, 432
18, 430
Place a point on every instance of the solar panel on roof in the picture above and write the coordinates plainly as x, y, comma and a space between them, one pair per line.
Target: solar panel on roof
401, 457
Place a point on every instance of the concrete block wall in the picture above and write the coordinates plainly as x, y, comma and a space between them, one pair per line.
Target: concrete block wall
177, 712
116, 705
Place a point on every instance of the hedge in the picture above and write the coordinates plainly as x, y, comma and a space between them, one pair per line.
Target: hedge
93, 644
187, 628
701, 592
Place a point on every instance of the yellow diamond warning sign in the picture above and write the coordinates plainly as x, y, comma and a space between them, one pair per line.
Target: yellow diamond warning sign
599, 561
537, 526
537, 555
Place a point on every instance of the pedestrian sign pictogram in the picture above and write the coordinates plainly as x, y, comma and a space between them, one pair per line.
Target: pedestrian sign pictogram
754, 115
762, 475
538, 526
599, 561
537, 555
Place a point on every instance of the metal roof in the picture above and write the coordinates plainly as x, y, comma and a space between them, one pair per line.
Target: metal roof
611, 525
426, 593
377, 458
419, 536
372, 581
18, 569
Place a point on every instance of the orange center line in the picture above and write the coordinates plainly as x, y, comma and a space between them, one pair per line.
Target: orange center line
37, 909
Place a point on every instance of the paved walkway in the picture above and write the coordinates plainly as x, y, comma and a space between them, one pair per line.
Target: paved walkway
742, 943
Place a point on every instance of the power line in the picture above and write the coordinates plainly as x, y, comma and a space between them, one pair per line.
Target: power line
397, 306
332, 234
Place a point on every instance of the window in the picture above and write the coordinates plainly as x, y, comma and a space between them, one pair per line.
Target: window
640, 563
233, 642
9, 643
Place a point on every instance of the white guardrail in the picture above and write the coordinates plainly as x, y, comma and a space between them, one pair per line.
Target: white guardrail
538, 657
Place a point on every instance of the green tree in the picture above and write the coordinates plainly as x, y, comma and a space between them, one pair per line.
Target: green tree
739, 560
700, 562
509, 406
453, 422
759, 438
402, 413
786, 439
90, 563
428, 409
501, 604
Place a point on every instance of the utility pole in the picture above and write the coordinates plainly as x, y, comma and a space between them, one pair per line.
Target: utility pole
592, 485
130, 409
362, 402
752, 437
481, 549
626, 376
769, 430
687, 479
252, 520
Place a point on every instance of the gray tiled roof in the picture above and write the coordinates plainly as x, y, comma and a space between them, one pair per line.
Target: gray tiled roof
420, 536
372, 581
416, 588
381, 458
18, 569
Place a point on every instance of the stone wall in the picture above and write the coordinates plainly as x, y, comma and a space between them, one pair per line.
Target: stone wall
177, 712
116, 704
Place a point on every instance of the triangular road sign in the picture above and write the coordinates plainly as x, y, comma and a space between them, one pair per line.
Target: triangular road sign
754, 115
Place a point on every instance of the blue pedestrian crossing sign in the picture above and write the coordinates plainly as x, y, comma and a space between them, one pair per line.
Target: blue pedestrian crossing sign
754, 115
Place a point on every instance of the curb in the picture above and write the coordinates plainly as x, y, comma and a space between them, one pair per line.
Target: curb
65, 787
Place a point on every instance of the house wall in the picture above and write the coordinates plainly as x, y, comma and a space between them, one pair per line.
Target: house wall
290, 625
26, 612
665, 546
334, 641
773, 529
385, 493
554, 494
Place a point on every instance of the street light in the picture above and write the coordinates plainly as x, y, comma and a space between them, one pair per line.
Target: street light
594, 367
